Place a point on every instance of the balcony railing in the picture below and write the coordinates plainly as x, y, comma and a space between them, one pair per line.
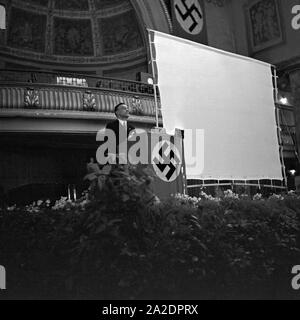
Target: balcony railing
72, 79
23, 89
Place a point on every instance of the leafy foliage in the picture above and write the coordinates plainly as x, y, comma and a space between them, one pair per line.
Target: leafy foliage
124, 244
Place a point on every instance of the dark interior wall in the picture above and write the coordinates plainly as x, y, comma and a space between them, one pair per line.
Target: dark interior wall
29, 171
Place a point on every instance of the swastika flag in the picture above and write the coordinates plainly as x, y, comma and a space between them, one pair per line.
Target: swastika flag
189, 20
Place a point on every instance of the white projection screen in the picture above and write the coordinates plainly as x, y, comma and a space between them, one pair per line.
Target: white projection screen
229, 97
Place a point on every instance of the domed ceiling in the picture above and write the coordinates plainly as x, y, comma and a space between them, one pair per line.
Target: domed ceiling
74, 31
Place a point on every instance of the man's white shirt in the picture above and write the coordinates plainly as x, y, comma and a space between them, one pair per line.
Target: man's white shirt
123, 123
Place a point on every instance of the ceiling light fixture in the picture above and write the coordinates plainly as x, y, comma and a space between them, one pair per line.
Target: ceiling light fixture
283, 100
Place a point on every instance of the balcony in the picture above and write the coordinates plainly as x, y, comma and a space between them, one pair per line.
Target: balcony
57, 95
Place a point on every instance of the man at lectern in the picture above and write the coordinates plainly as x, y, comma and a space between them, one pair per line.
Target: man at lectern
122, 128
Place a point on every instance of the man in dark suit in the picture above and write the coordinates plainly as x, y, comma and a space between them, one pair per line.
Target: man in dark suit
121, 127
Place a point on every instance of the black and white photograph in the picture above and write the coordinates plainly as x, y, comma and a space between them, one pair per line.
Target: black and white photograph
149, 151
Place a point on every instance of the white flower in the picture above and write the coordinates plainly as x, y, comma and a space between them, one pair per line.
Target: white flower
156, 200
276, 197
230, 194
12, 208
257, 196
209, 197
195, 259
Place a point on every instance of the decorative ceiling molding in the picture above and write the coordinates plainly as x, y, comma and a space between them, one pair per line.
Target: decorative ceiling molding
122, 57
109, 12
166, 11
153, 14
29, 7
217, 3
289, 64
105, 12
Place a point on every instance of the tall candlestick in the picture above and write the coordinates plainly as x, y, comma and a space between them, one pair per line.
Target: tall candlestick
74, 190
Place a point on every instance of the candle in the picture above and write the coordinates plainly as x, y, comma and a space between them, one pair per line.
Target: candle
74, 193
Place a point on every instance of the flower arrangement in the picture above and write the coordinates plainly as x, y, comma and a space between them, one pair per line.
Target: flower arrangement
125, 242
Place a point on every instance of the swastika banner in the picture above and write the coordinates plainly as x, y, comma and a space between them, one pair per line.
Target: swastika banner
168, 165
226, 101
189, 21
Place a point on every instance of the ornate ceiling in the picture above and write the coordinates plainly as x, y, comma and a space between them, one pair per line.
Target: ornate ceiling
76, 4
74, 31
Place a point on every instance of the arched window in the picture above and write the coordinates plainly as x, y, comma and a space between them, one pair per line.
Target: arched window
2, 17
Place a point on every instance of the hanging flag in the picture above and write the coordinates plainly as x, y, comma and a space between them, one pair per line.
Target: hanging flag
167, 164
189, 21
